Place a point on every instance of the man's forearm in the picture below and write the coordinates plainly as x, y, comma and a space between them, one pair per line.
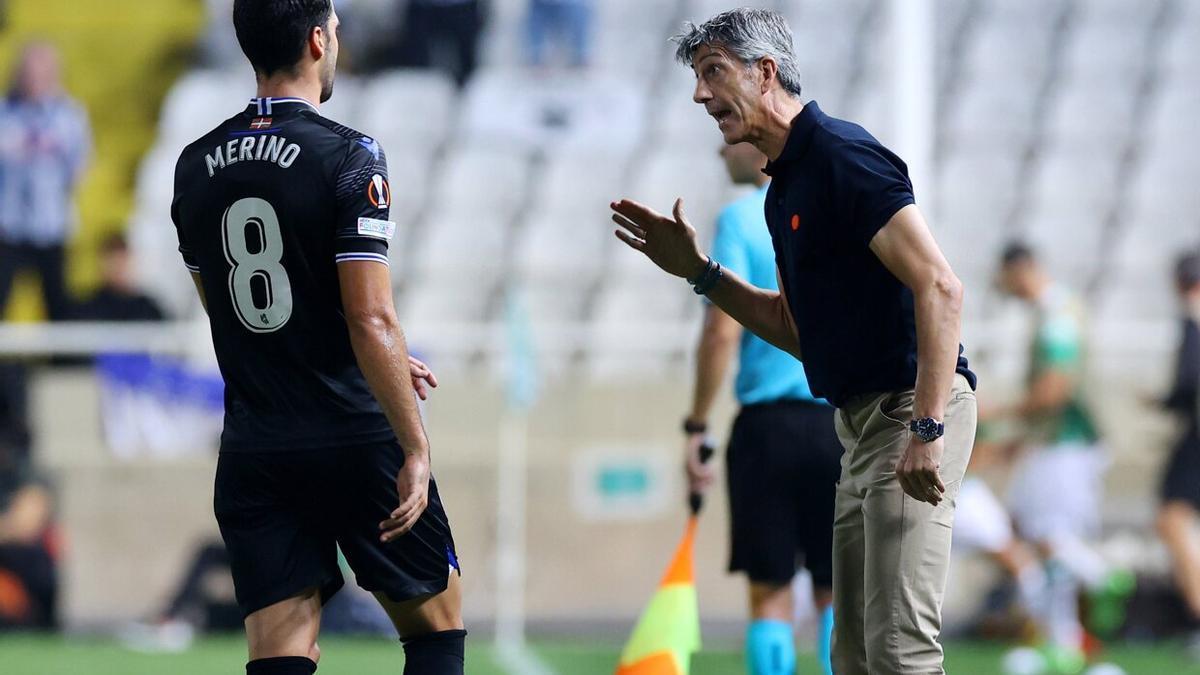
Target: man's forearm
938, 316
762, 312
382, 355
712, 360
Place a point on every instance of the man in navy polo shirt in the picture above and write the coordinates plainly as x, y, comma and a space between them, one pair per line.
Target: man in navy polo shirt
873, 309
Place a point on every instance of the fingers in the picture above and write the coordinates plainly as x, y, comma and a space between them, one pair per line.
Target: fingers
628, 224
677, 211
632, 241
419, 387
642, 215
403, 518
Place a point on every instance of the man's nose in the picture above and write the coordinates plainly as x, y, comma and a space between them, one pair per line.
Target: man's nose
701, 94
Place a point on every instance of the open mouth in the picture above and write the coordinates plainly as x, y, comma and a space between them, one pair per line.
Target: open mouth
721, 115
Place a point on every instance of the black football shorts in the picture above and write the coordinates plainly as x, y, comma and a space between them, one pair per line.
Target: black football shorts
283, 516
783, 465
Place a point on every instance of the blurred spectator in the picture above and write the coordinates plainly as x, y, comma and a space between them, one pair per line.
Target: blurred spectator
44, 144
15, 435
566, 24
442, 34
1179, 514
118, 298
1056, 489
204, 600
28, 548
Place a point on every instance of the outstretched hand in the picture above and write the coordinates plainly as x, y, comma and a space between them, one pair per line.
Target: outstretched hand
670, 242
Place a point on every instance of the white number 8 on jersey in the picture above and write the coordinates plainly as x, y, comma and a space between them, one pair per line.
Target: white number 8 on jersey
252, 212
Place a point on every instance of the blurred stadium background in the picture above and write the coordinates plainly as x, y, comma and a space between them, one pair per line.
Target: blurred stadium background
565, 360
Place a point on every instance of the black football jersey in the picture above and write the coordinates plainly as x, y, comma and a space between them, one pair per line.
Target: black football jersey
266, 205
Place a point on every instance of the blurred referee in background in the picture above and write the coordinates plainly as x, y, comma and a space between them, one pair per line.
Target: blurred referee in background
868, 299
783, 457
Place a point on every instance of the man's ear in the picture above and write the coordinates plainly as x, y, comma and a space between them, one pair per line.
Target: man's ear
317, 43
769, 70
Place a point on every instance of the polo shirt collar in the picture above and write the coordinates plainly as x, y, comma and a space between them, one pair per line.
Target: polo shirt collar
799, 138
276, 105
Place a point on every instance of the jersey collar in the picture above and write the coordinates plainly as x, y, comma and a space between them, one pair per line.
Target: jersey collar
270, 105
799, 138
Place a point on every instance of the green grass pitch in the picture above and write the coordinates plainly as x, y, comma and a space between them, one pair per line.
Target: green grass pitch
34, 655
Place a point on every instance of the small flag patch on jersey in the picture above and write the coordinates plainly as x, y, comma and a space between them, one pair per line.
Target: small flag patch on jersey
373, 227
261, 123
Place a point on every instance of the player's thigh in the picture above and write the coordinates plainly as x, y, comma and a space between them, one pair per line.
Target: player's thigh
413, 566
762, 498
426, 614
286, 628
273, 530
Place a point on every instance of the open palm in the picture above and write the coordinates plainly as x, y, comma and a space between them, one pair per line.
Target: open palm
670, 242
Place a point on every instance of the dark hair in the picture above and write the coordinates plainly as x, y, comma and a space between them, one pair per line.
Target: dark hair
1187, 270
749, 35
273, 32
114, 243
1016, 252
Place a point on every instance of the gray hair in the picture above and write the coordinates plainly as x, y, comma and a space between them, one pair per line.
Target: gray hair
749, 35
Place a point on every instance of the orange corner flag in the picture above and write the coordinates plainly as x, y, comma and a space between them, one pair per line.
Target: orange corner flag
668, 631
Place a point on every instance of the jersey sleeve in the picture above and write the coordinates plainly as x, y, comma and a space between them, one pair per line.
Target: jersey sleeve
869, 185
729, 244
363, 205
185, 249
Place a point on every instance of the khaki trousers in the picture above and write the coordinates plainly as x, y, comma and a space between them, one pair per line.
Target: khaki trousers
891, 552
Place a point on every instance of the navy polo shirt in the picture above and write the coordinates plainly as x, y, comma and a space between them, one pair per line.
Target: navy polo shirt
833, 187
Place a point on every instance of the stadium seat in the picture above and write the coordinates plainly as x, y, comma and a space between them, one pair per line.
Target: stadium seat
1074, 119
581, 111
200, 101
563, 248
408, 110
990, 116
1117, 52
488, 181
456, 242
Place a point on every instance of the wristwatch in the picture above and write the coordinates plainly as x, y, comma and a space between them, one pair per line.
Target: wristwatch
927, 429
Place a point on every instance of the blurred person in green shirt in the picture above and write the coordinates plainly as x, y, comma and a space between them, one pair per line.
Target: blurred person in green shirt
1057, 483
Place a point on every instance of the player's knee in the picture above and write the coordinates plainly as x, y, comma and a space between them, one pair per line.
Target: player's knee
314, 653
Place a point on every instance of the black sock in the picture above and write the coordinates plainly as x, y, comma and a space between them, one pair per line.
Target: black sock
282, 665
438, 653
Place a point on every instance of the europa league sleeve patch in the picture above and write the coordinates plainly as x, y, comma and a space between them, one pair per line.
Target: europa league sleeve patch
379, 193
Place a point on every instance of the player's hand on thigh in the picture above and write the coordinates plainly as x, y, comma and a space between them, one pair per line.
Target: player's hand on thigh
423, 378
670, 242
412, 484
700, 475
917, 470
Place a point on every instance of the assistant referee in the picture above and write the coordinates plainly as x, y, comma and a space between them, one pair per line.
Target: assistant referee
870, 303
783, 454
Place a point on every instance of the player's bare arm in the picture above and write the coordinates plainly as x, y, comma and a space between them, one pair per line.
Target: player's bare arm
670, 243
907, 248
1049, 393
200, 290
382, 355
718, 342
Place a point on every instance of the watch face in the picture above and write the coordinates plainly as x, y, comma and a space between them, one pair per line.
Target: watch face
925, 427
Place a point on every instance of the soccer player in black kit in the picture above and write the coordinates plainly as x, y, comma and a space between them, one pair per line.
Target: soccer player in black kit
282, 218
